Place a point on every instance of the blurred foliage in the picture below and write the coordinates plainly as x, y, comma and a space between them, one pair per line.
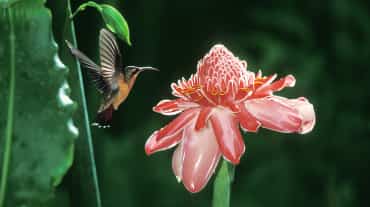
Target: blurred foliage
38, 150
325, 44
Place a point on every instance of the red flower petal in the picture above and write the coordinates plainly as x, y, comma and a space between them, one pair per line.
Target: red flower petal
200, 158
171, 134
226, 129
203, 117
287, 81
155, 144
177, 159
283, 115
247, 121
172, 107
178, 123
305, 109
267, 89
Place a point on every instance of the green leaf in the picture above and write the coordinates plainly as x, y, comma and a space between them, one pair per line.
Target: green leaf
113, 19
36, 129
82, 182
221, 186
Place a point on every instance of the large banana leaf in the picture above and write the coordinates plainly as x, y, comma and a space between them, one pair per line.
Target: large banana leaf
36, 130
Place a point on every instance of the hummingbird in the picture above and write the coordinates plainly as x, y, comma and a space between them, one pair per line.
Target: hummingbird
111, 79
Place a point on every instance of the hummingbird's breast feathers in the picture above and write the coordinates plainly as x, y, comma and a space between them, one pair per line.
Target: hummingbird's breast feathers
122, 94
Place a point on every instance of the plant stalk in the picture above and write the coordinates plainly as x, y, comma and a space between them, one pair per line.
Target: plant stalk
222, 185
86, 117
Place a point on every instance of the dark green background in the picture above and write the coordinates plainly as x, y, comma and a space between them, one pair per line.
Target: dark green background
324, 44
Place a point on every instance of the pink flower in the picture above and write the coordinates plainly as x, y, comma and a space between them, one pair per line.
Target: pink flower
212, 104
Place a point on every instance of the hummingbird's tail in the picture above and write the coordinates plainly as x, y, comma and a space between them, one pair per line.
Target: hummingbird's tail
104, 118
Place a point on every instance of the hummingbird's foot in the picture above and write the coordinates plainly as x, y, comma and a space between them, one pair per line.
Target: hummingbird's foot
104, 118
100, 125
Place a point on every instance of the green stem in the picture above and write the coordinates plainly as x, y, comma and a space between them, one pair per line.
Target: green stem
86, 120
83, 7
9, 123
222, 183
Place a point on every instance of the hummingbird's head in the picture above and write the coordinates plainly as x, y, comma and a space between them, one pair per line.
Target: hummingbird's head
133, 71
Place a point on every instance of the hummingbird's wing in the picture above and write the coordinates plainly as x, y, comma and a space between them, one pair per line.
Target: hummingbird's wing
94, 69
110, 58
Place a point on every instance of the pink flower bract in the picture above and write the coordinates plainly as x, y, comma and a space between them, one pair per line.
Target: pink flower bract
212, 104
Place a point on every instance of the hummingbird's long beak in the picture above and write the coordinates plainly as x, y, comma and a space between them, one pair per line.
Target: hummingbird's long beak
147, 68
141, 69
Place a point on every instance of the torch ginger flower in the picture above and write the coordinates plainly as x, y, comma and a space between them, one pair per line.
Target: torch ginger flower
212, 104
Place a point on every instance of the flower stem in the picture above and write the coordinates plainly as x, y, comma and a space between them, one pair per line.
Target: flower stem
222, 183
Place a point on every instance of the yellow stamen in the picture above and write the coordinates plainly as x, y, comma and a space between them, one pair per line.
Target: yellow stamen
198, 87
261, 78
245, 89
214, 92
191, 92
258, 82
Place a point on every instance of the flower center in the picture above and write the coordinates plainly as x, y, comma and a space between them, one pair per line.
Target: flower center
221, 79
